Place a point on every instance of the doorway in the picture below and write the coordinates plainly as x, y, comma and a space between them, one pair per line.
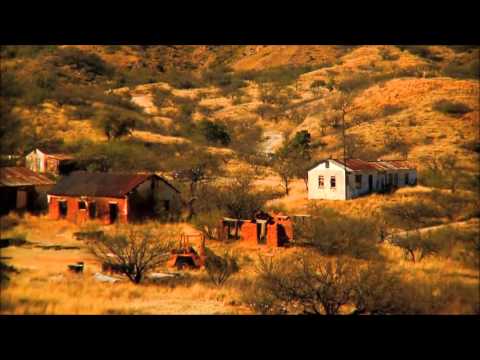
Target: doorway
62, 208
113, 211
92, 210
370, 183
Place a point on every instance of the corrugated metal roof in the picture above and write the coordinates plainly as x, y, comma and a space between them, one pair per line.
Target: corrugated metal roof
380, 165
357, 164
19, 176
83, 183
61, 156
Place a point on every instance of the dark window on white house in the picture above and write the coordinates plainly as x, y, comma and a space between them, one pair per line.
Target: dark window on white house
327, 164
333, 182
321, 182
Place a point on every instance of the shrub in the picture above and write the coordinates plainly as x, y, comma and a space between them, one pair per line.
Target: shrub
215, 133
78, 59
469, 70
220, 268
391, 109
356, 82
387, 55
451, 107
160, 97
82, 112
333, 234
302, 284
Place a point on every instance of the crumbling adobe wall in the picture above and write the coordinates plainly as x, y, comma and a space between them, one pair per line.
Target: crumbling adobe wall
249, 232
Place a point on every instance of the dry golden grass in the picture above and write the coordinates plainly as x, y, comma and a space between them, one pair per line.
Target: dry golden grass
44, 286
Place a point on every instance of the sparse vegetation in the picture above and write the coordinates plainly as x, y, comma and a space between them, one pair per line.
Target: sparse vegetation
451, 107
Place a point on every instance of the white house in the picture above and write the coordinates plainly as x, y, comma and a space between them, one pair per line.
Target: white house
327, 179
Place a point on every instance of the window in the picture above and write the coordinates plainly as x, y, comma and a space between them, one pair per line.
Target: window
82, 205
320, 182
333, 183
327, 164
358, 181
396, 180
407, 180
390, 179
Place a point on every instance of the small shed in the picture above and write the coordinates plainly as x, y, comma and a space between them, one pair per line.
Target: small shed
54, 163
22, 189
112, 197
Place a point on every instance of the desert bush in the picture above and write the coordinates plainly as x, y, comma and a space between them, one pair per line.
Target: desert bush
160, 97
91, 63
221, 268
468, 70
215, 133
208, 222
25, 51
422, 51
82, 112
391, 109
301, 284
282, 75
387, 55
454, 206
411, 215
355, 82
136, 252
6, 269
451, 107
333, 234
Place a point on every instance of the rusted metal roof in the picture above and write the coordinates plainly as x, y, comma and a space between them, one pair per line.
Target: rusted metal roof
357, 164
14, 176
380, 165
83, 183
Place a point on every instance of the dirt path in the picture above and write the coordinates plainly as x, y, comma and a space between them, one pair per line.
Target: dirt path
435, 227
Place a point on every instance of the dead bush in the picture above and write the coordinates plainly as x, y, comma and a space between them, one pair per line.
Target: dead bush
303, 285
221, 268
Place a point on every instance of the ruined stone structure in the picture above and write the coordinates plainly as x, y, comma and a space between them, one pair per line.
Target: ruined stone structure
263, 229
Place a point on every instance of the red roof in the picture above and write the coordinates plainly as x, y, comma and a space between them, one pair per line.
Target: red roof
19, 176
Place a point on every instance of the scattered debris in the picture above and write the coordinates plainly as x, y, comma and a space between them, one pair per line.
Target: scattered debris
162, 276
105, 278
83, 235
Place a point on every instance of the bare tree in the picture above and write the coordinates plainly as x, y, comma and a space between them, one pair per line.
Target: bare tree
134, 252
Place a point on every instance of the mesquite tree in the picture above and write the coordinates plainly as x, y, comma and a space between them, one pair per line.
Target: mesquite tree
134, 252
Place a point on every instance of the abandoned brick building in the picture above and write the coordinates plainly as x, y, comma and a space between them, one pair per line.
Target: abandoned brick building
264, 229
22, 189
112, 197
